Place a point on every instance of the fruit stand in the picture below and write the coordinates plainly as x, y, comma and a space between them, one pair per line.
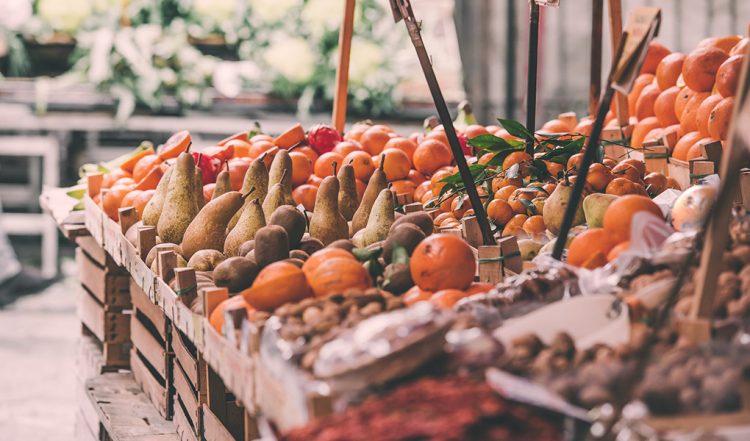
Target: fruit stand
586, 280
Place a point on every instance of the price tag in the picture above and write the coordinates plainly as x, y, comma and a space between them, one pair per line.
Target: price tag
643, 25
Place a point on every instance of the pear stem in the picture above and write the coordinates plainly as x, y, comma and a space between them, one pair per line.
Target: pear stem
382, 161
187, 150
334, 165
226, 165
252, 189
283, 175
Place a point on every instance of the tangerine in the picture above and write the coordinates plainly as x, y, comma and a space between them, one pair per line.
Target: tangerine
443, 261
619, 215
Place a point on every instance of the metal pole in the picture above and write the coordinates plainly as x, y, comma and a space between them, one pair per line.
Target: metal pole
531, 77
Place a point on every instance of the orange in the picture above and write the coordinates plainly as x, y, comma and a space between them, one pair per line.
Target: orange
728, 75
554, 169
317, 258
416, 177
644, 105
309, 152
338, 275
627, 171
443, 261
641, 81
357, 130
655, 53
619, 215
145, 165
669, 69
428, 195
574, 161
406, 145
505, 193
623, 186
699, 69
440, 218
130, 162
150, 181
514, 227
259, 147
343, 148
719, 118
112, 200
724, 44
416, 294
373, 139
216, 319
501, 181
396, 165
421, 190
664, 106
459, 213
654, 135
656, 183
703, 113
556, 126
584, 126
361, 187
641, 129
687, 119
302, 168
446, 298
113, 176
590, 248
176, 144
305, 194
522, 158
479, 288
474, 130
435, 181
438, 134
499, 212
140, 201
619, 248
314, 180
362, 163
237, 169
127, 201
290, 137
324, 165
682, 147
534, 226
681, 101
403, 186
599, 177
208, 191
277, 284
637, 164
430, 155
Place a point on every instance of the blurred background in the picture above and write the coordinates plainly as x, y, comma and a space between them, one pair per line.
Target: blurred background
83, 81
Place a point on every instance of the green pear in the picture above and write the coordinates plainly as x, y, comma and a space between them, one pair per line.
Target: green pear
152, 211
594, 207
223, 184
251, 220
375, 185
179, 203
208, 230
327, 224
348, 201
256, 179
381, 218
529, 248
555, 206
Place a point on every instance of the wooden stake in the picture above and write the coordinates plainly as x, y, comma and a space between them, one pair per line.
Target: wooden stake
531, 77
595, 88
717, 235
94, 184
146, 240
342, 70
212, 297
128, 217
615, 28
166, 262
402, 10
186, 284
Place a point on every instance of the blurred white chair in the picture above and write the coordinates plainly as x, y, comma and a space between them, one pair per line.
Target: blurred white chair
48, 149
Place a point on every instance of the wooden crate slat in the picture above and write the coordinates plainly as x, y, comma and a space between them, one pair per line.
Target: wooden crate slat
125, 412
111, 237
145, 306
187, 395
152, 350
89, 245
187, 359
213, 428
155, 392
111, 290
185, 430
93, 219
91, 313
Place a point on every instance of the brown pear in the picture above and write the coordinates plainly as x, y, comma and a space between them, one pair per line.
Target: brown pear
179, 203
223, 184
208, 230
251, 220
152, 211
256, 179
377, 183
327, 224
348, 201
200, 200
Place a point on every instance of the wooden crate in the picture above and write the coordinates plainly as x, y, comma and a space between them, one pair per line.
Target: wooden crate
223, 417
189, 388
688, 173
151, 357
185, 429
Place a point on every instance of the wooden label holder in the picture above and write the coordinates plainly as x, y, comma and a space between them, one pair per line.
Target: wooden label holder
413, 207
494, 260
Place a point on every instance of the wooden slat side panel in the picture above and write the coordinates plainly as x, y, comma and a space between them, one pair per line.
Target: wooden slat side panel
213, 429
156, 393
187, 359
186, 394
185, 430
93, 250
145, 306
91, 313
116, 355
151, 349
109, 288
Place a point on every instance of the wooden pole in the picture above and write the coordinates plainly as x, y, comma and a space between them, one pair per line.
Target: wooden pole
595, 88
342, 70
510, 62
735, 157
402, 10
531, 77
615, 28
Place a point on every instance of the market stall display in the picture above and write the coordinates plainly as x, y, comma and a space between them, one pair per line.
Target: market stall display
337, 284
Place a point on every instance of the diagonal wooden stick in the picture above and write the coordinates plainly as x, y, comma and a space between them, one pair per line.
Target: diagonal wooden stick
342, 70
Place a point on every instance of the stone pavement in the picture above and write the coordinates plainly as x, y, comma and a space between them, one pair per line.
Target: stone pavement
38, 343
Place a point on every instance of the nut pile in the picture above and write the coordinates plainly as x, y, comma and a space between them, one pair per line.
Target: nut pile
315, 321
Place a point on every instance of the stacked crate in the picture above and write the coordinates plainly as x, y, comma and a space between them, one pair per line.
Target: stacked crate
104, 303
189, 387
151, 357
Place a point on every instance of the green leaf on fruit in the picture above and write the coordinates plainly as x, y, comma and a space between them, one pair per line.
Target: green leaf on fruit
516, 129
364, 254
399, 254
530, 207
513, 172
